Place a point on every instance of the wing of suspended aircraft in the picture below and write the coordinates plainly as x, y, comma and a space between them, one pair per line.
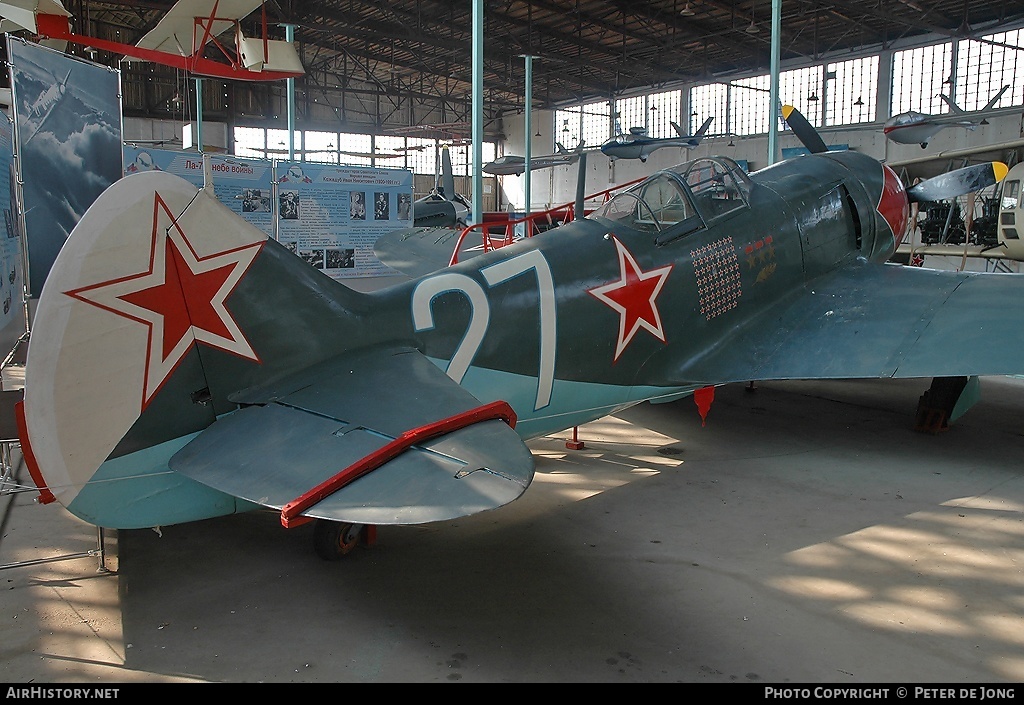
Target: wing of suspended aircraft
178, 39
370, 155
179, 31
21, 14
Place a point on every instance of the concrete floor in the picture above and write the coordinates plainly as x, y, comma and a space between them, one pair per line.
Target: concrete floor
807, 534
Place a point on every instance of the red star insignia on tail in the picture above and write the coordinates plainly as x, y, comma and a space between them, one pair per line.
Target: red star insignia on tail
180, 298
633, 297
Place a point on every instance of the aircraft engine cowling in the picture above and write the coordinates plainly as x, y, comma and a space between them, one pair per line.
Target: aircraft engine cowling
881, 203
893, 213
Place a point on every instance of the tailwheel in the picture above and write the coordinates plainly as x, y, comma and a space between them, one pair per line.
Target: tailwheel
333, 539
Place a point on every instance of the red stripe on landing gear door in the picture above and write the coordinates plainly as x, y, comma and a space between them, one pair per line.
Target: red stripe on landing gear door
45, 496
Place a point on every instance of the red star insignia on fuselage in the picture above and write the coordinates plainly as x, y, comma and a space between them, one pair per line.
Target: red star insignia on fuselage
634, 296
180, 298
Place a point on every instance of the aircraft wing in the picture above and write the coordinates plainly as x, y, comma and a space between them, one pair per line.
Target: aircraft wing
869, 322
175, 30
21, 14
289, 437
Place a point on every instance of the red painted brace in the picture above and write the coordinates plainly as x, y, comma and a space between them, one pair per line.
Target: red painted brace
290, 513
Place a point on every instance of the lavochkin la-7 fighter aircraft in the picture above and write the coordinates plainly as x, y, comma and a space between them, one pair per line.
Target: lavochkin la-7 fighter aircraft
637, 144
183, 366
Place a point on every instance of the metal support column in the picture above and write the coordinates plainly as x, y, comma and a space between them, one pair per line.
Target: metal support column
773, 109
478, 110
528, 129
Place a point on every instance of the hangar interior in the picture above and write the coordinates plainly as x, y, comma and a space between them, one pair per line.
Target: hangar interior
379, 78
379, 75
880, 590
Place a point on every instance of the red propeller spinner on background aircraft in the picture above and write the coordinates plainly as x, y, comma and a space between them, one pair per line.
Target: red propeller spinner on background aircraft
182, 365
177, 40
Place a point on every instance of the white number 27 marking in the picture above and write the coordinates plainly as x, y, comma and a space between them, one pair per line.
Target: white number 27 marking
479, 320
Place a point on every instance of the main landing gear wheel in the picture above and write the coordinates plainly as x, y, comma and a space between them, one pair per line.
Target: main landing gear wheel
333, 539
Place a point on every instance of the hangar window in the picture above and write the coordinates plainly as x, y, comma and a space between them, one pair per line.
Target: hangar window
1010, 194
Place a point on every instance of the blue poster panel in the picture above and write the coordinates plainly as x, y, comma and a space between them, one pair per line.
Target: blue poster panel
12, 283
331, 216
246, 187
67, 126
187, 165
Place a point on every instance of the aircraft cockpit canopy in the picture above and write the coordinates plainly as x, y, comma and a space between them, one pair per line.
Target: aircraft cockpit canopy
905, 119
696, 192
719, 185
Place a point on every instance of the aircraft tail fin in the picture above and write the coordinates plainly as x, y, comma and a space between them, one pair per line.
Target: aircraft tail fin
995, 99
953, 107
561, 148
677, 128
699, 134
161, 304
447, 175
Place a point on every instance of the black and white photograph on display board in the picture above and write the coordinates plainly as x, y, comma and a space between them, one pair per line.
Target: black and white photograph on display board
382, 206
404, 206
357, 205
289, 204
67, 116
313, 257
341, 258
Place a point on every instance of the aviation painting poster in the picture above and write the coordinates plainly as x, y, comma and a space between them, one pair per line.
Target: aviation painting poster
246, 187
331, 216
12, 291
67, 121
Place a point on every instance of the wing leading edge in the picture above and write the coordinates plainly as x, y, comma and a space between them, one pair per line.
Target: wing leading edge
869, 321
293, 436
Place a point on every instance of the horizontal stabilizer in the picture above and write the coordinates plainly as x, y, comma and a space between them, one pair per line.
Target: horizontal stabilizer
303, 431
416, 252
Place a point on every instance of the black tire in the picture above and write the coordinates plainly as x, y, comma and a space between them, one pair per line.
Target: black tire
333, 539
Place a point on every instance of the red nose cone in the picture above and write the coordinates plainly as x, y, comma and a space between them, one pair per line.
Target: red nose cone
893, 205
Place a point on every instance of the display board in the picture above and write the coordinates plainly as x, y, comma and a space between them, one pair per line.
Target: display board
67, 142
246, 186
331, 216
187, 165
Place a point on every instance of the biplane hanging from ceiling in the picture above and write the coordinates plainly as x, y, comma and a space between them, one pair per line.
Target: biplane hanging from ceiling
178, 40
